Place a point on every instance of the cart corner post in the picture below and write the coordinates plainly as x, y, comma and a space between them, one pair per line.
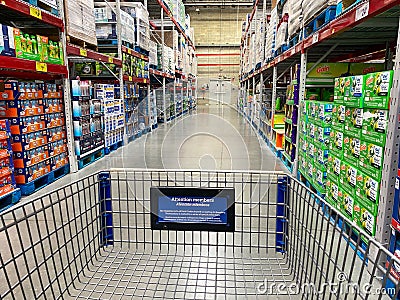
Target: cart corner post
281, 214
106, 220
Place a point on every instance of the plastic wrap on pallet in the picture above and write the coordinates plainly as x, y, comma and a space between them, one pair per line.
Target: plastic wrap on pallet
80, 22
282, 32
270, 40
153, 53
295, 8
311, 8
142, 27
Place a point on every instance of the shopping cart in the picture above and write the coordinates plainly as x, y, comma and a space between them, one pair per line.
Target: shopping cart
93, 239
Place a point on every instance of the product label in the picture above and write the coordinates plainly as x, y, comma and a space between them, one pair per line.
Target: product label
341, 114
339, 140
357, 117
348, 204
351, 175
357, 86
335, 192
375, 154
368, 221
336, 166
371, 188
355, 145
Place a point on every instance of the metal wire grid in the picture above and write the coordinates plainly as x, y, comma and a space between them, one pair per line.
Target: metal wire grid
53, 244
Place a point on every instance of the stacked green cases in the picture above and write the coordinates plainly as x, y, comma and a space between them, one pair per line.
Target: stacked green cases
358, 136
315, 131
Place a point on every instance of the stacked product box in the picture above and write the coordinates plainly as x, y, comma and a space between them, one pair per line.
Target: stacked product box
358, 135
131, 101
134, 66
7, 178
15, 43
87, 118
36, 114
113, 113
79, 19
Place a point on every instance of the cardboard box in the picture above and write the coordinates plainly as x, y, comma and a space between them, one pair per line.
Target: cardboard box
375, 126
339, 90
336, 143
355, 93
354, 121
25, 45
322, 158
338, 116
335, 193
352, 149
7, 44
364, 218
323, 135
371, 160
368, 188
312, 151
347, 203
349, 180
377, 89
321, 177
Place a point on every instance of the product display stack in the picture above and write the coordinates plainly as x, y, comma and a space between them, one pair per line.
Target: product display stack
36, 115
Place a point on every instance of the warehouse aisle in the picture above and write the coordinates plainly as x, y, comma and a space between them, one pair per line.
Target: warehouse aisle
213, 137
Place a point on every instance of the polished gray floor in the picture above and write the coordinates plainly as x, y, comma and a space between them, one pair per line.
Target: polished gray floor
214, 137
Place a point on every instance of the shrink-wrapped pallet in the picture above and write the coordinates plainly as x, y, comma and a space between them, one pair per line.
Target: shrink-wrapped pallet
79, 19
312, 8
153, 53
142, 26
270, 39
282, 32
295, 10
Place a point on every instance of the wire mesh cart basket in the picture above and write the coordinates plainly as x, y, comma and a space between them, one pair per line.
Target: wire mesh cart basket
146, 234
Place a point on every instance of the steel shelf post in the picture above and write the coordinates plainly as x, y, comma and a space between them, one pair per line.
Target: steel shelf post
302, 90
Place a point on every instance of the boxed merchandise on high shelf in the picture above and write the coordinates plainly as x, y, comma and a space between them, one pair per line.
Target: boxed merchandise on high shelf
270, 40
133, 66
79, 20
36, 113
153, 62
88, 120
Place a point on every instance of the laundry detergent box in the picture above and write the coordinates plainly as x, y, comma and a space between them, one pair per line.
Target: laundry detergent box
323, 134
323, 114
7, 44
336, 167
351, 149
338, 116
336, 143
25, 45
354, 93
375, 126
368, 188
347, 203
312, 150
365, 215
312, 128
371, 160
304, 146
321, 177
334, 193
322, 157
339, 90
349, 180
377, 89
354, 121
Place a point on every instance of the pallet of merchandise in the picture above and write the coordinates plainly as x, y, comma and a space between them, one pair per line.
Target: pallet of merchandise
9, 199
90, 158
319, 20
113, 147
80, 22
43, 181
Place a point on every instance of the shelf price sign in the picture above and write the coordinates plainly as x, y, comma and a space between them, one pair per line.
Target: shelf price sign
35, 12
110, 60
83, 52
41, 67
362, 11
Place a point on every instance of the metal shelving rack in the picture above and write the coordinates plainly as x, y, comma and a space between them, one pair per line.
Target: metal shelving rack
366, 31
170, 107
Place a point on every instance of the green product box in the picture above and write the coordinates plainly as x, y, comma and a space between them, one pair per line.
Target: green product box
347, 203
313, 110
335, 193
26, 46
322, 156
304, 147
323, 115
310, 171
371, 160
364, 218
323, 134
334, 168
338, 116
321, 179
313, 93
304, 128
312, 151
351, 149
312, 130
354, 93
354, 121
43, 48
339, 90
368, 189
85, 69
375, 126
327, 94
349, 180
377, 89
336, 143
302, 163
55, 53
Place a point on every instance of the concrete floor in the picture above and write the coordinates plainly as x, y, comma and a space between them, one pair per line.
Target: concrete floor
214, 137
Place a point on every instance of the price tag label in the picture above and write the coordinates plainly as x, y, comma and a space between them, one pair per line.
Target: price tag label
142, 56
315, 38
129, 51
83, 52
3, 2
293, 51
362, 11
35, 12
41, 67
144, 80
130, 78
110, 60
